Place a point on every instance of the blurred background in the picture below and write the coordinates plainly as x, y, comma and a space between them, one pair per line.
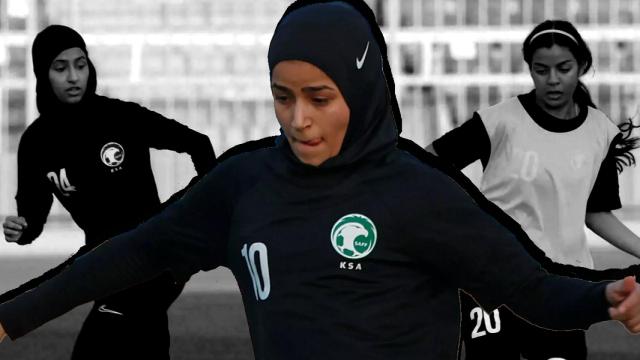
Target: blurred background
204, 63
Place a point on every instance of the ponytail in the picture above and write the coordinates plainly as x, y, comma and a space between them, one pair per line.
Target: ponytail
582, 96
624, 144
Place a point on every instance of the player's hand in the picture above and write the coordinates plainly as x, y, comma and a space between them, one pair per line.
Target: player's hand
2, 333
624, 297
13, 227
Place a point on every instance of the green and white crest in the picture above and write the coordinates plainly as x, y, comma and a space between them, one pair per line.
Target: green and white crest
354, 236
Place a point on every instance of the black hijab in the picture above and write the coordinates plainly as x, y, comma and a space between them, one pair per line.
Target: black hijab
337, 38
48, 44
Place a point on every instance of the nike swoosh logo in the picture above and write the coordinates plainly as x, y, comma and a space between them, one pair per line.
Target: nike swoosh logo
360, 62
104, 309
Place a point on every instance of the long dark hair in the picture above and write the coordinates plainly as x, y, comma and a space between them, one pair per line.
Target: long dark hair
563, 33
624, 144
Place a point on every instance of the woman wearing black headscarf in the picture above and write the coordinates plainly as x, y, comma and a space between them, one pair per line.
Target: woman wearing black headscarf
339, 249
92, 153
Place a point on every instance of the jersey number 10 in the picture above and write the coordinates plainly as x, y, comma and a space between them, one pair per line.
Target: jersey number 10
259, 272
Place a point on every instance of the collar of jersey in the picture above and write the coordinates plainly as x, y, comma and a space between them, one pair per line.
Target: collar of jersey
547, 121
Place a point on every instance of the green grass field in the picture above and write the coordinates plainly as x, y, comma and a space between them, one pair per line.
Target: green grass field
207, 321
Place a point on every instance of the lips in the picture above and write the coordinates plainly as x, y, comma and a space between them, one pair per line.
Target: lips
73, 91
554, 94
312, 142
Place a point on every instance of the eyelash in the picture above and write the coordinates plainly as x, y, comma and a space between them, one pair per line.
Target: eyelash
320, 101
281, 98
63, 68
544, 71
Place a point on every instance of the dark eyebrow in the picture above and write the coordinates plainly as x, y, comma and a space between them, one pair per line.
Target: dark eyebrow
565, 62
276, 86
308, 89
558, 64
317, 88
81, 57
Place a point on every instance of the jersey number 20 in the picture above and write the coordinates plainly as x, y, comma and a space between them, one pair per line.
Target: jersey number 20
481, 318
259, 272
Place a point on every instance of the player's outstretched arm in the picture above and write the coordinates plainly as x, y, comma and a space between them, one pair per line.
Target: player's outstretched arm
611, 229
187, 237
624, 297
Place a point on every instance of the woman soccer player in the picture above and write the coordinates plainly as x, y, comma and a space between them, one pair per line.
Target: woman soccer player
92, 153
550, 161
338, 248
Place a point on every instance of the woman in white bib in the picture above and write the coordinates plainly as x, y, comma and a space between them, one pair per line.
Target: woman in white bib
551, 161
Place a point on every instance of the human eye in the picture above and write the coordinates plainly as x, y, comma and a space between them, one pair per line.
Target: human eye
565, 68
320, 100
80, 64
58, 67
280, 97
541, 70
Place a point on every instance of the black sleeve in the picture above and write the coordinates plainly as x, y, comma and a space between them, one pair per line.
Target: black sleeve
187, 237
167, 134
605, 194
465, 144
465, 243
266, 142
34, 197
235, 150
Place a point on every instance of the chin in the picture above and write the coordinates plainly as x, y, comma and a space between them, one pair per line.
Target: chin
74, 100
556, 104
309, 160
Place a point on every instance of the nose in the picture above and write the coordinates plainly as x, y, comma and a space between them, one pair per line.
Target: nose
73, 75
301, 116
553, 77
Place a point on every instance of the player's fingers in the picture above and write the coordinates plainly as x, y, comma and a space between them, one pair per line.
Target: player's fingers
12, 226
11, 239
629, 284
10, 232
20, 220
632, 325
11, 218
12, 236
619, 290
629, 307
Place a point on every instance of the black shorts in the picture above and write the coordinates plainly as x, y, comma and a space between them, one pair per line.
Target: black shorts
131, 324
502, 335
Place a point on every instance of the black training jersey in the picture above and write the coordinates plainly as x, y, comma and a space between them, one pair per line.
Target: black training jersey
351, 264
96, 162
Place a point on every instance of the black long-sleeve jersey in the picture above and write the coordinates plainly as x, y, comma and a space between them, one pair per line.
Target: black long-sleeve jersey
358, 264
96, 161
